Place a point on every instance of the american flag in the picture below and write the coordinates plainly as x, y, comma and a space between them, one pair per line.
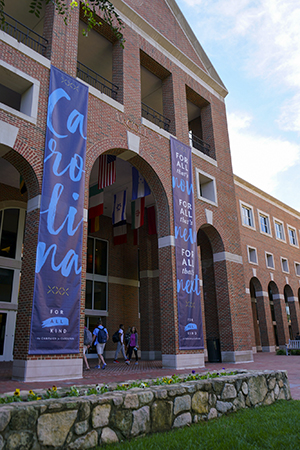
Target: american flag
107, 171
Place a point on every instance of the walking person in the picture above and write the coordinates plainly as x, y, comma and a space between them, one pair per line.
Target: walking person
87, 342
100, 337
120, 345
133, 344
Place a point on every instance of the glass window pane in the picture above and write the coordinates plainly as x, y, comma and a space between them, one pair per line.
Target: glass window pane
88, 294
2, 331
6, 283
100, 257
9, 233
99, 295
89, 256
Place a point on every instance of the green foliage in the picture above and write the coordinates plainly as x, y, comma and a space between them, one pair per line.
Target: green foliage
280, 352
73, 392
295, 352
267, 427
52, 393
89, 9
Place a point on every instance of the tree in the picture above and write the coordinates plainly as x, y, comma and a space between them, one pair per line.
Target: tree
89, 8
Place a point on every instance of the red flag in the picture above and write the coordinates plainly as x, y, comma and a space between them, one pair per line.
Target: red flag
107, 171
151, 220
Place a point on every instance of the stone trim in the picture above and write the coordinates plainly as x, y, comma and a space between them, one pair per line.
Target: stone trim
226, 256
183, 361
88, 421
8, 136
34, 203
237, 356
149, 274
166, 241
47, 369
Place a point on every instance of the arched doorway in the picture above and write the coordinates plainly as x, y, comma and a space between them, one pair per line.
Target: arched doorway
289, 306
123, 277
257, 310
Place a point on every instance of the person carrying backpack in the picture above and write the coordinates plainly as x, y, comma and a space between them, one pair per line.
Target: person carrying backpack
100, 337
87, 342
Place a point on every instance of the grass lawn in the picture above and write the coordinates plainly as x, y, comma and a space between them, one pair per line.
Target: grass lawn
268, 427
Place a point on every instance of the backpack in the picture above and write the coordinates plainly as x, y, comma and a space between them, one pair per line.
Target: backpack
127, 338
101, 336
88, 337
115, 337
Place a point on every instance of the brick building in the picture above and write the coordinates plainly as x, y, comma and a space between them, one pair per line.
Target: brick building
160, 85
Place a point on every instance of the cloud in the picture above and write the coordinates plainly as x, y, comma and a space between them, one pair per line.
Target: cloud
259, 159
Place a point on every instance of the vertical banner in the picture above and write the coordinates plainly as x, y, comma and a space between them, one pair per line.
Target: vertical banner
187, 266
57, 288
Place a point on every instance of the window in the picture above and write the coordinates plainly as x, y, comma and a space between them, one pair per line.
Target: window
279, 230
297, 269
9, 221
270, 261
96, 277
18, 92
284, 265
247, 215
206, 187
252, 255
292, 236
264, 223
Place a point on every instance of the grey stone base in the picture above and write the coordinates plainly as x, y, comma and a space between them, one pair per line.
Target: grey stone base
151, 355
185, 361
268, 348
238, 356
47, 369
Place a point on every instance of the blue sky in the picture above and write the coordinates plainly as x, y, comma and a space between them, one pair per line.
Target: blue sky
255, 47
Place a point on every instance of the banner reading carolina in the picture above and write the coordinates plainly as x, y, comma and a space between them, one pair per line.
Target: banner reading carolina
57, 288
187, 267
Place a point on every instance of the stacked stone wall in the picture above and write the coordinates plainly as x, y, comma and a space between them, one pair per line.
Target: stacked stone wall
87, 421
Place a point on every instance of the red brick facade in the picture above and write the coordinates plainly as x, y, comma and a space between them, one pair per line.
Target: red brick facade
142, 278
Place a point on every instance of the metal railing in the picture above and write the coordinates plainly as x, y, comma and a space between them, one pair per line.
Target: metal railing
97, 81
24, 34
199, 144
155, 117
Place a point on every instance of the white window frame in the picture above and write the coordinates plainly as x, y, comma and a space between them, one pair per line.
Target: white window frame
283, 261
268, 255
252, 250
267, 216
29, 100
290, 228
101, 278
280, 222
250, 207
297, 266
211, 188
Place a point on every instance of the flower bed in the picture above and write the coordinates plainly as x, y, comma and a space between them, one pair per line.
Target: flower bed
133, 409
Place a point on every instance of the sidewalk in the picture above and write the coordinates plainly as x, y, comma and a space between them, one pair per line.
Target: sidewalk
152, 369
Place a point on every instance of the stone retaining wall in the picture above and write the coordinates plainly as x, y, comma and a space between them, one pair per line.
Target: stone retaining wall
84, 422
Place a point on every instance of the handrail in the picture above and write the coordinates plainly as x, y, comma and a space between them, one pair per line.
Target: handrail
199, 144
24, 34
94, 79
155, 117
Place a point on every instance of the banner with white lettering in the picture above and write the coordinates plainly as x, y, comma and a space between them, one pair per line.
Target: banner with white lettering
57, 288
187, 266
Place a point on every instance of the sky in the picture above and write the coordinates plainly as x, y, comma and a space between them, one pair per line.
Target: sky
254, 46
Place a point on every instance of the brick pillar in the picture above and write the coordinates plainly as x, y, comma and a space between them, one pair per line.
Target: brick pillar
63, 40
207, 129
168, 102
131, 77
118, 70
268, 342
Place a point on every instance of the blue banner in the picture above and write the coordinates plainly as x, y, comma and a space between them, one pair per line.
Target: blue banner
57, 288
187, 266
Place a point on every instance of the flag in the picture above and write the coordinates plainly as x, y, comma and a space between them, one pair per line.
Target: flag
135, 237
120, 233
107, 171
119, 211
95, 202
137, 213
94, 224
151, 220
23, 188
140, 186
